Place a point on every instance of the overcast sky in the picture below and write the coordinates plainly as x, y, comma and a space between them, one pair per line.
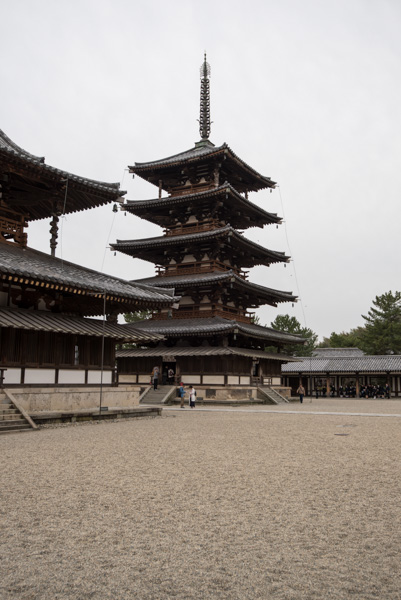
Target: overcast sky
308, 93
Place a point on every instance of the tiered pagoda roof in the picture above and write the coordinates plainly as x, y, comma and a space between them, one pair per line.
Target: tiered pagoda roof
198, 162
185, 328
232, 246
203, 253
256, 294
177, 352
223, 203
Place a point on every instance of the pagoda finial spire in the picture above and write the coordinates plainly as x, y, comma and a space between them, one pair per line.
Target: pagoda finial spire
204, 121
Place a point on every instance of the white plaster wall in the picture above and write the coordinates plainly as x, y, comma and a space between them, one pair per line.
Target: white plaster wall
188, 379
233, 379
219, 379
245, 380
276, 380
66, 376
12, 376
40, 376
144, 379
129, 379
95, 376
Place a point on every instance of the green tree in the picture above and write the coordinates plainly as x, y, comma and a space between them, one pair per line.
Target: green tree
138, 315
382, 332
133, 317
292, 325
350, 339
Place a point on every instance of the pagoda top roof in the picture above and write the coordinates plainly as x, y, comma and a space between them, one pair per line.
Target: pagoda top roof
204, 151
37, 185
32, 267
215, 325
272, 296
159, 244
158, 210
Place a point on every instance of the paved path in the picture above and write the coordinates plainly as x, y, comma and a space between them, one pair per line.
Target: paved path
285, 412
212, 504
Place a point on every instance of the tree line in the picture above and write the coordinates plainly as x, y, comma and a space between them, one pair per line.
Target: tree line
380, 334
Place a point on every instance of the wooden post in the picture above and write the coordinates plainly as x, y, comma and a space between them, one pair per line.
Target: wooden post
357, 384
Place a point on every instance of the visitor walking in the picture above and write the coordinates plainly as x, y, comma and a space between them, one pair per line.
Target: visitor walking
155, 374
192, 396
182, 395
301, 392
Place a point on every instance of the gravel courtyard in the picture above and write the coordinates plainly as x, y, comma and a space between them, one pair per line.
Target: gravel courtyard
199, 504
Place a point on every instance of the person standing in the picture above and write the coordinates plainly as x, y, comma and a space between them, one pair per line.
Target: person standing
301, 392
155, 377
192, 396
170, 376
182, 395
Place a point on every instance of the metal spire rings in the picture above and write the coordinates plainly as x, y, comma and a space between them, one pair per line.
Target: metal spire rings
204, 121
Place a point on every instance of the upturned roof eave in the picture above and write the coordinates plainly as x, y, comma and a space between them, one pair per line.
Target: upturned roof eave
101, 192
171, 241
195, 155
218, 277
204, 327
137, 206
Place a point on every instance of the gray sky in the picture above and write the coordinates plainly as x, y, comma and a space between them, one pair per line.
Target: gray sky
308, 93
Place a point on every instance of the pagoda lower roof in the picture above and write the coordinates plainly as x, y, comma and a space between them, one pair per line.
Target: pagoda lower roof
232, 166
178, 282
203, 351
154, 249
39, 320
214, 326
34, 268
238, 211
32, 186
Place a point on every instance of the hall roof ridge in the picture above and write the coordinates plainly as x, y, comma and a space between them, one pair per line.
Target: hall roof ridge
12, 149
33, 265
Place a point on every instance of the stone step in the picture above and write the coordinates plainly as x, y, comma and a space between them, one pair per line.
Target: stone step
9, 409
14, 426
16, 416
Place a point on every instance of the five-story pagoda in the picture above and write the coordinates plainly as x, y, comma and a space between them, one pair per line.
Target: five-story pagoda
203, 254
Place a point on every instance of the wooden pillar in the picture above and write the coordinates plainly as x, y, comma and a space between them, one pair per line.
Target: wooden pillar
160, 187
357, 384
328, 385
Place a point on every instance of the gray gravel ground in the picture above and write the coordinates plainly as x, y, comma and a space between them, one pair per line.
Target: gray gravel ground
205, 505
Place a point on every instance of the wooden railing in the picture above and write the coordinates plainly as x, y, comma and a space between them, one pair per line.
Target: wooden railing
13, 229
185, 190
225, 312
193, 228
199, 267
